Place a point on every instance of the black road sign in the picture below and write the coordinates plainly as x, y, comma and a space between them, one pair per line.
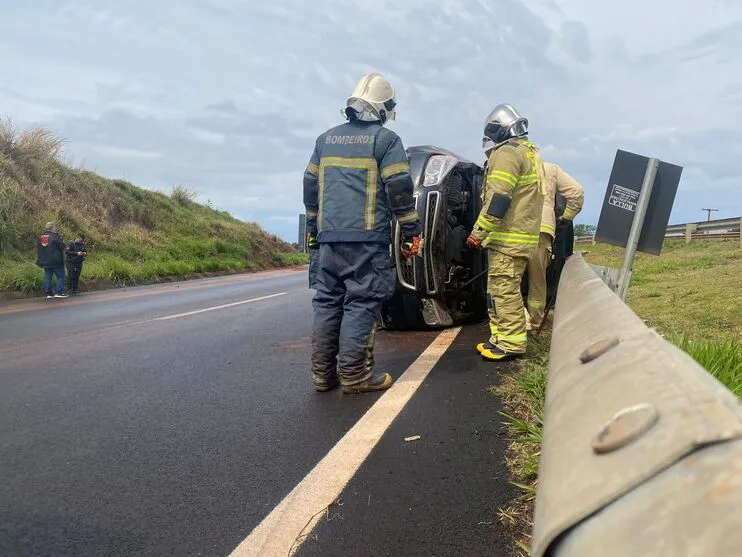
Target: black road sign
622, 195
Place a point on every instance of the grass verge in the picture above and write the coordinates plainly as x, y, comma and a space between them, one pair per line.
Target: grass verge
691, 289
522, 395
135, 235
690, 294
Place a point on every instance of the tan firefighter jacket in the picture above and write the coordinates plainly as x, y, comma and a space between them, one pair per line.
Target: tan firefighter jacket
513, 199
558, 181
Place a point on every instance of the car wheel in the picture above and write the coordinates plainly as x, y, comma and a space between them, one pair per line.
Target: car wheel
402, 312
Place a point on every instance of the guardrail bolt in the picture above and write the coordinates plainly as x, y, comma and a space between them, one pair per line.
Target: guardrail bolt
598, 348
626, 426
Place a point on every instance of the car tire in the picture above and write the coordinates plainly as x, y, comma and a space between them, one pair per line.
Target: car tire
401, 313
455, 191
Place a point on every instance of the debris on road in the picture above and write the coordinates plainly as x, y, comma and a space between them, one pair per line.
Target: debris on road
413, 438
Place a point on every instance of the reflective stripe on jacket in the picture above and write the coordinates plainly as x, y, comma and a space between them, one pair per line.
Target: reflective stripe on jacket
558, 181
358, 178
515, 171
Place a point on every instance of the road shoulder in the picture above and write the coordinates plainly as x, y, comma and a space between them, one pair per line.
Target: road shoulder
436, 495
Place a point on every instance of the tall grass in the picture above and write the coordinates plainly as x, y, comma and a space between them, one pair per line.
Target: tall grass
184, 194
722, 359
134, 235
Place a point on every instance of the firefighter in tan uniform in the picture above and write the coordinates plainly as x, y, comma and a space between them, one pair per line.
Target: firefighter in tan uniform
556, 181
508, 226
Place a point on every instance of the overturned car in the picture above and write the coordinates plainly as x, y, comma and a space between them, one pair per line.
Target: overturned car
446, 284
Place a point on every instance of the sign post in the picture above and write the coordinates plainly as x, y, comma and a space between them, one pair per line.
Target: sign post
636, 209
637, 224
302, 233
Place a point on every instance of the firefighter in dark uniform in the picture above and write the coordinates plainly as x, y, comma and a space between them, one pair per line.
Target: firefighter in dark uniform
357, 180
75, 252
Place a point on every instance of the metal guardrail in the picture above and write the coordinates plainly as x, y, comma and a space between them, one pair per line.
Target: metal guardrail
642, 448
721, 229
731, 224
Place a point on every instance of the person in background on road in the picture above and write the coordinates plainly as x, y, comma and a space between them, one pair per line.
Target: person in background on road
50, 257
556, 181
508, 226
357, 179
76, 251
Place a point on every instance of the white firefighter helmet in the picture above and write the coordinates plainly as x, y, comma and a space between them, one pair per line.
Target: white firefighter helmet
503, 123
372, 100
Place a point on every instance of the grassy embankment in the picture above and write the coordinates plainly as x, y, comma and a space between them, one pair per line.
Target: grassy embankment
135, 236
690, 294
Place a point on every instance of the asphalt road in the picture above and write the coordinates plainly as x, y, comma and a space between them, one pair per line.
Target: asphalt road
437, 496
171, 419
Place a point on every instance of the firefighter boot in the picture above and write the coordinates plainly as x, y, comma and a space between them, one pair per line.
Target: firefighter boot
490, 343
377, 382
482, 346
497, 354
328, 385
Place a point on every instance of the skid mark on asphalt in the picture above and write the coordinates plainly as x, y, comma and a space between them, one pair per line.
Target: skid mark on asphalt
298, 513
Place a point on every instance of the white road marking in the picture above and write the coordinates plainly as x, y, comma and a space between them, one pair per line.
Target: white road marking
214, 308
18, 345
301, 509
116, 294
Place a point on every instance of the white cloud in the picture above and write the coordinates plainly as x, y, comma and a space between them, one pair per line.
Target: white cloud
652, 26
292, 218
115, 152
228, 95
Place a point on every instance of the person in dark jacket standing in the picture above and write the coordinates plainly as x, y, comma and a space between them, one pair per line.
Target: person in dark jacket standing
76, 252
50, 257
356, 182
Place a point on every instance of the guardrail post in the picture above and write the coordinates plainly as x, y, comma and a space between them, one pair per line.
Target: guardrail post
690, 228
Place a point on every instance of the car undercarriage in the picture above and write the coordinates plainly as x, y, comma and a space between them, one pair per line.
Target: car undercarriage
446, 283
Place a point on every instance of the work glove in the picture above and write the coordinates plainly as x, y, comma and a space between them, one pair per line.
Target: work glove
411, 247
312, 242
475, 239
473, 243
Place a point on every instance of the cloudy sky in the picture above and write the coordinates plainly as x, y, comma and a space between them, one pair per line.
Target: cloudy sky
227, 96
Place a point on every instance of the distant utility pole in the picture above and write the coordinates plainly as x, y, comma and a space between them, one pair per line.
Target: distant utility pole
709, 212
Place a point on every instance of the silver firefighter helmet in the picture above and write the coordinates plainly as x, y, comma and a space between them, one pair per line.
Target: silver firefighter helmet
503, 123
372, 100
